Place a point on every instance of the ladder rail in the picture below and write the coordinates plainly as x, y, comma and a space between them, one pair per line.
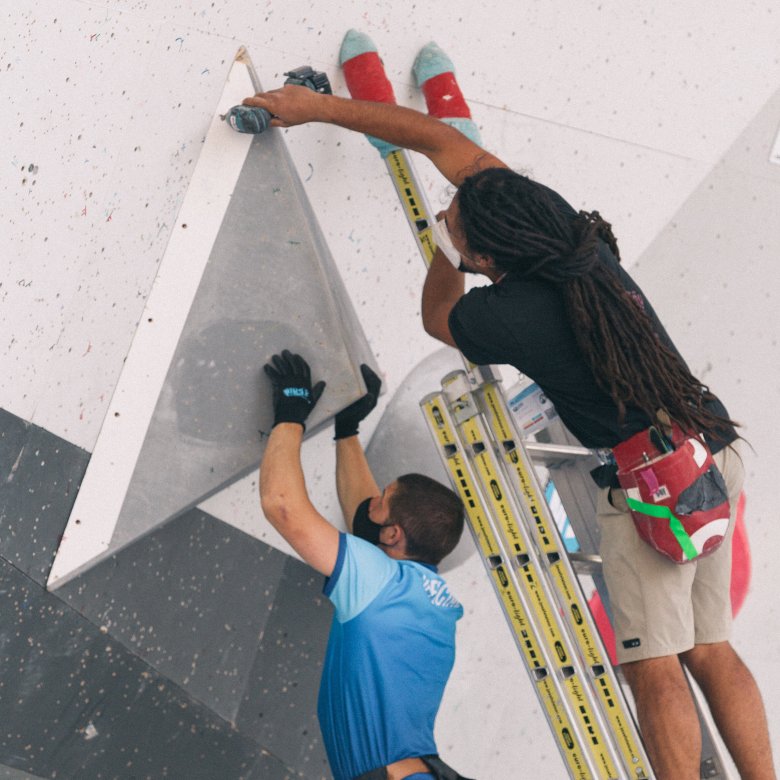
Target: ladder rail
557, 567
529, 568
504, 582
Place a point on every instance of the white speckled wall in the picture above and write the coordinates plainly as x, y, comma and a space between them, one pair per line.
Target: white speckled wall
625, 109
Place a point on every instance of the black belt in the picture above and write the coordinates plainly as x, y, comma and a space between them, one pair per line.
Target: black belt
439, 769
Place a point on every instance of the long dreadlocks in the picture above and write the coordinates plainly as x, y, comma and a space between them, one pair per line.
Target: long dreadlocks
516, 222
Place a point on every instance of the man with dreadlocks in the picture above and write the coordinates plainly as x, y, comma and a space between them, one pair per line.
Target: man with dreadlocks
563, 311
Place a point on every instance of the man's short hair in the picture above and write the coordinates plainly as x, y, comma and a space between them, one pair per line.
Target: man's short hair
430, 514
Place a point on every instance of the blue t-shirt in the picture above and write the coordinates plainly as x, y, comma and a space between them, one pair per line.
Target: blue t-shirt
390, 652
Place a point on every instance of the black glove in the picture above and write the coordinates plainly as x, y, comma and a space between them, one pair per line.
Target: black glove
294, 397
347, 420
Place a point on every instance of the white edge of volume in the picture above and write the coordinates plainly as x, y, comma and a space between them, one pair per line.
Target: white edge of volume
102, 493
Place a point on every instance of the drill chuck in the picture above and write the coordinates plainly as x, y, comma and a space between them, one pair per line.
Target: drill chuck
250, 119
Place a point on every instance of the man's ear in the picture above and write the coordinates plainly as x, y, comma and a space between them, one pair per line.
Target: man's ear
485, 261
392, 535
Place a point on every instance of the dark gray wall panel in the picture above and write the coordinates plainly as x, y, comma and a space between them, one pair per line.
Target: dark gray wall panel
74, 703
269, 768
280, 705
8, 773
192, 599
39, 478
237, 624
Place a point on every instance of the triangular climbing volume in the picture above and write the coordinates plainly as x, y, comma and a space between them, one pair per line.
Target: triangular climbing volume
247, 272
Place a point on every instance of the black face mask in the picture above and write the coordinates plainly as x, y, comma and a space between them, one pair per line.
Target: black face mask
363, 526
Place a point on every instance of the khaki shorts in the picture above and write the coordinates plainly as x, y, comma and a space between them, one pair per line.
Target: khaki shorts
660, 608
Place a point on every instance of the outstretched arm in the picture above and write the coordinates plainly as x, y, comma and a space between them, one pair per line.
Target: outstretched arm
283, 494
286, 503
442, 289
450, 151
354, 480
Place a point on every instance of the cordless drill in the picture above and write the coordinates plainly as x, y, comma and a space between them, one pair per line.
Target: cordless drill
250, 119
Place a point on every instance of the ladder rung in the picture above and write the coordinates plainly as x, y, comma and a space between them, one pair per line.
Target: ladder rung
585, 563
556, 453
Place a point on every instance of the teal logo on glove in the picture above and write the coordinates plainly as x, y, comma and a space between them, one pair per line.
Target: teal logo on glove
296, 392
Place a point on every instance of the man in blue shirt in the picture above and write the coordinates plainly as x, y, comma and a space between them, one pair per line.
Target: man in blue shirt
392, 642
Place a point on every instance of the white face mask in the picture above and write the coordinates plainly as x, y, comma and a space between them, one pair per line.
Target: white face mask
443, 240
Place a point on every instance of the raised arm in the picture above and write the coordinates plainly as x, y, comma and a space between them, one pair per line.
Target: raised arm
450, 151
286, 503
354, 480
442, 289
283, 495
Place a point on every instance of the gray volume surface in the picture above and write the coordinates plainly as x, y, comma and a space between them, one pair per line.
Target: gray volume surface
270, 284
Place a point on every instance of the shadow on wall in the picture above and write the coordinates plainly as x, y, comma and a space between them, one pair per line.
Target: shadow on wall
402, 443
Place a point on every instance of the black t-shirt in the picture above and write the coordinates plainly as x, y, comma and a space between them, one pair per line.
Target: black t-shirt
523, 323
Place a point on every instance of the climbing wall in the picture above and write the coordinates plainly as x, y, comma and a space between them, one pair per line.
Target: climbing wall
181, 638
